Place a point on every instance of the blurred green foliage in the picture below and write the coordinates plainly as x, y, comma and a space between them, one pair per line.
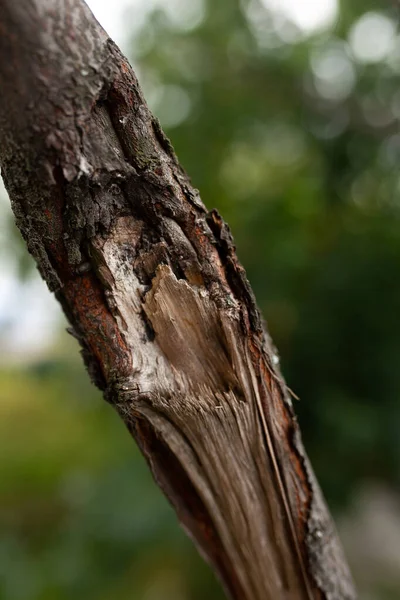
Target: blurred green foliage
295, 139
80, 516
297, 143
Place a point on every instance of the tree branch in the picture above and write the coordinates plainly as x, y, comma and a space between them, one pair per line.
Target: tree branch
154, 292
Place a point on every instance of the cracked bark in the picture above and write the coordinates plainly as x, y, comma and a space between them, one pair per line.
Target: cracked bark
168, 324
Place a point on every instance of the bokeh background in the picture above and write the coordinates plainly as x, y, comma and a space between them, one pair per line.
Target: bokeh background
286, 115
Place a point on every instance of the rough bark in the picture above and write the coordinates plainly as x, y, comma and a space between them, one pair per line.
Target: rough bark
155, 295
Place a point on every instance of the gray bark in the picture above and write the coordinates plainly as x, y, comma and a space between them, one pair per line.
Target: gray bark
151, 284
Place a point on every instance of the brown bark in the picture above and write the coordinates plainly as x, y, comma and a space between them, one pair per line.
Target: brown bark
154, 292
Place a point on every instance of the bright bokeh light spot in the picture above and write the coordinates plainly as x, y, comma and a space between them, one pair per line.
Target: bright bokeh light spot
334, 73
309, 15
390, 151
376, 110
283, 145
183, 14
372, 37
173, 106
393, 57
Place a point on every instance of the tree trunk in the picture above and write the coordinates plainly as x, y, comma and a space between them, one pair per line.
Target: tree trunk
162, 308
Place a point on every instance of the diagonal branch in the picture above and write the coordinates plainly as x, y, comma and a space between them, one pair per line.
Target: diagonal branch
154, 292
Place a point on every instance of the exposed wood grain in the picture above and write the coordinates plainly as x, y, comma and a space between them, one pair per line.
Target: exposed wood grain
151, 284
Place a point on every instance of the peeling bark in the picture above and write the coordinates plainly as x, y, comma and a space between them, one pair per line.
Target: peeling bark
168, 324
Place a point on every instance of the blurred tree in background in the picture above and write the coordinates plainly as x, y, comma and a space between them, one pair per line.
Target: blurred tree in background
294, 136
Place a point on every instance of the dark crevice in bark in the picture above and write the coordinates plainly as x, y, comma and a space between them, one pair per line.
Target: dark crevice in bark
235, 272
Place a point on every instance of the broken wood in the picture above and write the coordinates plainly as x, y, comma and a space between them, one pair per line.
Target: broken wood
152, 287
